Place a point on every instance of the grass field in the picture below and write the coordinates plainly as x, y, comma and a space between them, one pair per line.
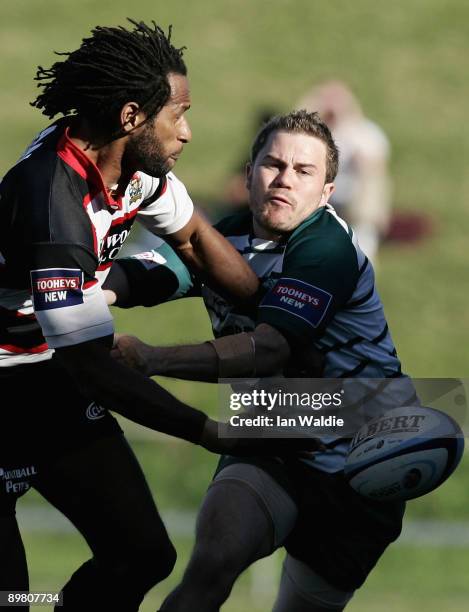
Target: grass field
395, 586
407, 63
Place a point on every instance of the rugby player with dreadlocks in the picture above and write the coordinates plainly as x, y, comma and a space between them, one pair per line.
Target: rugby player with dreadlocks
67, 207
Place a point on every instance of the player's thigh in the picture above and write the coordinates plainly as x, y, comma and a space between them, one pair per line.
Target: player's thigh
303, 590
340, 534
101, 488
248, 510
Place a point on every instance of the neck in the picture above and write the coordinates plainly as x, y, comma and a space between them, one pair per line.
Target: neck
265, 234
108, 157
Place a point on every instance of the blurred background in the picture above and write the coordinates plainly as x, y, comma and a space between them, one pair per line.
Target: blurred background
405, 65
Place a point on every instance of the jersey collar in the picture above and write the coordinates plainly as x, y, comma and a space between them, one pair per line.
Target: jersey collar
77, 159
313, 217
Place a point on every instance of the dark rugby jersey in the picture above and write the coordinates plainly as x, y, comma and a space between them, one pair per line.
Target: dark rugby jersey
60, 232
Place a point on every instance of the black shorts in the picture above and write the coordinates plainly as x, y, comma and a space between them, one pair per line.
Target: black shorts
338, 533
43, 417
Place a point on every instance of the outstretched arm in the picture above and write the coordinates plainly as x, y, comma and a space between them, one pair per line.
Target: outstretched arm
142, 400
263, 352
214, 260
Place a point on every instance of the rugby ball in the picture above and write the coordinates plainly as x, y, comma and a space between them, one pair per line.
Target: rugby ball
404, 454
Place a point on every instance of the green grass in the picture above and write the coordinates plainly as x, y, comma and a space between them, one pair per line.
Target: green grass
406, 579
407, 63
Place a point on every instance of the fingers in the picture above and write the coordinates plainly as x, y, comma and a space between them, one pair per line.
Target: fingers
117, 337
129, 351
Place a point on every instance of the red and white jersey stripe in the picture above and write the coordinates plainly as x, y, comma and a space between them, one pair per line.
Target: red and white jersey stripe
61, 231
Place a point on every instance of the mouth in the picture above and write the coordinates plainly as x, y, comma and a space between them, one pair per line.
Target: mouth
175, 156
279, 200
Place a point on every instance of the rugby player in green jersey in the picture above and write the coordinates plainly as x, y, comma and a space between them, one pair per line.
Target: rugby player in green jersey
319, 298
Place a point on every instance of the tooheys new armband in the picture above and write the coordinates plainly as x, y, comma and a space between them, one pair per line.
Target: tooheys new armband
236, 355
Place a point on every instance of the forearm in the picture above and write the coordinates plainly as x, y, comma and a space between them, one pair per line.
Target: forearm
217, 263
130, 393
191, 362
260, 353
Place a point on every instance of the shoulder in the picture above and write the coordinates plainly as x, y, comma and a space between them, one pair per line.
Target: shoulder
237, 224
38, 169
151, 188
38, 160
42, 195
323, 239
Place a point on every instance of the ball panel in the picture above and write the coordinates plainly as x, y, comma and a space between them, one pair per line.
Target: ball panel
404, 454
402, 477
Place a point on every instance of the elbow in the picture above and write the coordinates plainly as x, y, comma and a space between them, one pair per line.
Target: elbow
271, 363
83, 363
272, 351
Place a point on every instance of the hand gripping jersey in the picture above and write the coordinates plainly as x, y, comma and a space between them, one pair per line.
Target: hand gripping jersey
60, 232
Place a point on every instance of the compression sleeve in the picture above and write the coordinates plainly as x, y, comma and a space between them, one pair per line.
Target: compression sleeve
152, 278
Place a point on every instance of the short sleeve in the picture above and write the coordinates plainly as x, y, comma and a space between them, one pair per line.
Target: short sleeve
168, 209
68, 300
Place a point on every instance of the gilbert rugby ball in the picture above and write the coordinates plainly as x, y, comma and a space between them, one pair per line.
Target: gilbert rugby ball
404, 454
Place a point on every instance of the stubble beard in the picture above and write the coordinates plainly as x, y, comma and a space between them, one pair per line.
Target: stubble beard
274, 229
145, 152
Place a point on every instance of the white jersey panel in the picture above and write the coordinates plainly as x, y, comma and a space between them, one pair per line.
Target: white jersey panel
67, 312
170, 212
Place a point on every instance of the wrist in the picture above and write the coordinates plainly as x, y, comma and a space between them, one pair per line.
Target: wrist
157, 362
212, 437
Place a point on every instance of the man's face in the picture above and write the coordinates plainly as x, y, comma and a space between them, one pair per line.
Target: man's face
287, 182
157, 145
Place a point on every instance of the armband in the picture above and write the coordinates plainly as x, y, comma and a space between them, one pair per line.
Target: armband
236, 355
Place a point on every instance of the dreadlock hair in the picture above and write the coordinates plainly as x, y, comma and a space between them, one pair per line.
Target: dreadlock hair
300, 122
113, 66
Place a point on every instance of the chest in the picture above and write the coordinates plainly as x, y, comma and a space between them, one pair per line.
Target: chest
266, 260
111, 224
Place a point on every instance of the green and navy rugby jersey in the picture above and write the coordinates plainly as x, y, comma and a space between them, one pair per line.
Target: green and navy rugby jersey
319, 288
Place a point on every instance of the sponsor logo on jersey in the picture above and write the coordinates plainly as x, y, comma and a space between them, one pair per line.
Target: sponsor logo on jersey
306, 301
135, 189
14, 478
95, 412
56, 288
45, 285
111, 245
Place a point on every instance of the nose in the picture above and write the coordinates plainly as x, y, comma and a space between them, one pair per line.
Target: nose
185, 132
284, 177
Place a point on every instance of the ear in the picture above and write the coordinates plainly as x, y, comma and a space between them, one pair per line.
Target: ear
327, 192
131, 116
248, 172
